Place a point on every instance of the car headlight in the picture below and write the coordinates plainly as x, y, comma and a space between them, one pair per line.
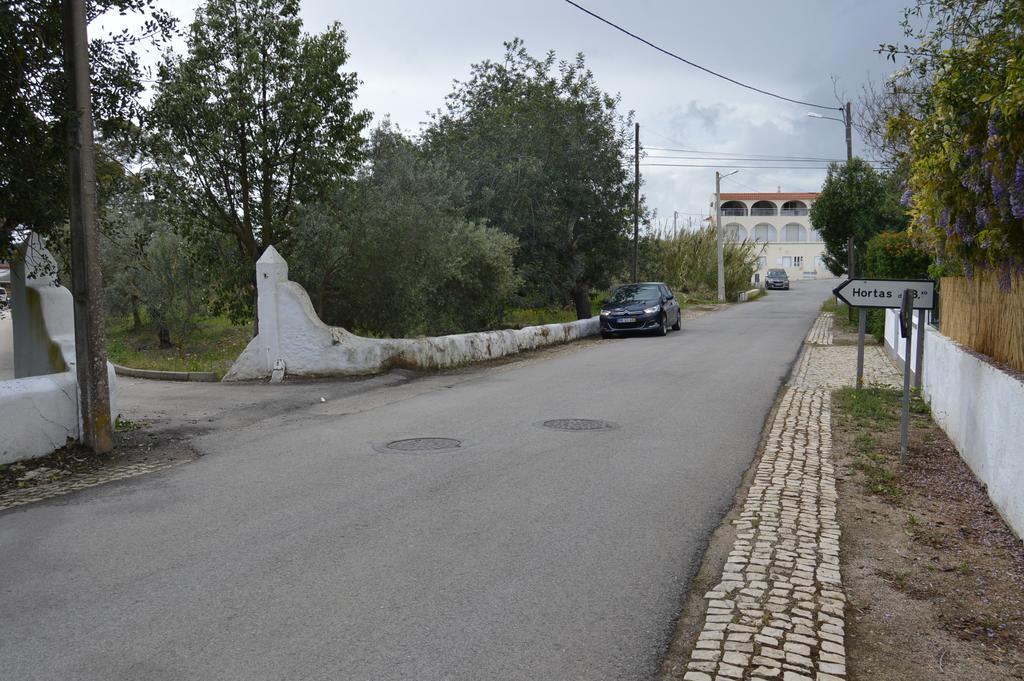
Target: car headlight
605, 313
652, 310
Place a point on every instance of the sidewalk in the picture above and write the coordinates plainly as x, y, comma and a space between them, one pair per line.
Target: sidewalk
778, 612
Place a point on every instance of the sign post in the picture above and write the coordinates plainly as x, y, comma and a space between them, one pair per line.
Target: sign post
862, 322
907, 330
907, 295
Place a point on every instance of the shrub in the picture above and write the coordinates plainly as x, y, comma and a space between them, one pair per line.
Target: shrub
893, 255
687, 261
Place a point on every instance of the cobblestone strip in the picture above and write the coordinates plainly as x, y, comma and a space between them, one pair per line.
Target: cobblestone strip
778, 611
821, 330
74, 483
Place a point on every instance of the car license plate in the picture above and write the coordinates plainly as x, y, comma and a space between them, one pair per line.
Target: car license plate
626, 320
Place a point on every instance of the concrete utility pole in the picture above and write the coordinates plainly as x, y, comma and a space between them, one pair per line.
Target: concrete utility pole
849, 133
720, 245
636, 204
90, 353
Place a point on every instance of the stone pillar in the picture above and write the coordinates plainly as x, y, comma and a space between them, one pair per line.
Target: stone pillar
43, 314
271, 272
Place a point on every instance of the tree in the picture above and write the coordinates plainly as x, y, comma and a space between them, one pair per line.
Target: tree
255, 120
33, 102
393, 253
542, 150
148, 270
855, 201
965, 130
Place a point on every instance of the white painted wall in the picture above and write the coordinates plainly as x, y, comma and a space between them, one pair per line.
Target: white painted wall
39, 408
39, 414
291, 333
981, 408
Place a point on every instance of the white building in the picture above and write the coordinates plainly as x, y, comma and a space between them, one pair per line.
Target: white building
780, 223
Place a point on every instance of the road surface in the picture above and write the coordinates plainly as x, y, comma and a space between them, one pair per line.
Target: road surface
299, 547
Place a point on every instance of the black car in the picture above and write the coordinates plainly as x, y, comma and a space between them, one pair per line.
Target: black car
777, 279
648, 306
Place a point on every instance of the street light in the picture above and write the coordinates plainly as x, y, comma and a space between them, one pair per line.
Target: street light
847, 121
719, 232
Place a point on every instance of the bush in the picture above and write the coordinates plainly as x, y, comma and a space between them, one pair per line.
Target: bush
393, 255
687, 262
893, 255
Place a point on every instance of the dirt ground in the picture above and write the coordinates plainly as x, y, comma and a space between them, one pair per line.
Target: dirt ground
934, 577
132, 444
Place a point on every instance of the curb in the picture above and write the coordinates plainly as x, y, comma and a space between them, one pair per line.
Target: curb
155, 375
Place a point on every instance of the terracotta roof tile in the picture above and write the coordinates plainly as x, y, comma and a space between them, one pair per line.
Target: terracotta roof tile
770, 196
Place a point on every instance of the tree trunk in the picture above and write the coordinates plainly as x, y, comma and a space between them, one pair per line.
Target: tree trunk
136, 317
581, 299
164, 334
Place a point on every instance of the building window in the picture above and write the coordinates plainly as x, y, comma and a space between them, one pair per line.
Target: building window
735, 232
762, 262
794, 232
763, 208
734, 208
786, 261
794, 208
798, 261
765, 232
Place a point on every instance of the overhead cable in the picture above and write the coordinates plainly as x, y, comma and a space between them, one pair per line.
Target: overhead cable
698, 66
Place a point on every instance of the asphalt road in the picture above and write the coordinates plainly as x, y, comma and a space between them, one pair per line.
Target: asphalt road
298, 549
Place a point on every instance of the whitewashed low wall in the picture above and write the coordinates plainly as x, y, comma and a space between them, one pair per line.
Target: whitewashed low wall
293, 338
39, 408
981, 408
40, 414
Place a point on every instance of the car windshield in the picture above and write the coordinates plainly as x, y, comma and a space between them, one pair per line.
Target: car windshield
776, 273
632, 293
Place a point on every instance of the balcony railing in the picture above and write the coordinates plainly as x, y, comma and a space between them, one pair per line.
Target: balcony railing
793, 211
734, 211
762, 211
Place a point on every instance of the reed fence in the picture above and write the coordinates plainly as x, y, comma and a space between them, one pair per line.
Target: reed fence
980, 316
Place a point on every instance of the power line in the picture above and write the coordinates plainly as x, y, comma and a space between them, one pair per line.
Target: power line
766, 159
741, 153
698, 66
715, 165
745, 186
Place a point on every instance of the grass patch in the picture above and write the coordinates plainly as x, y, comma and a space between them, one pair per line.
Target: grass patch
877, 406
843, 320
214, 346
519, 317
122, 425
879, 478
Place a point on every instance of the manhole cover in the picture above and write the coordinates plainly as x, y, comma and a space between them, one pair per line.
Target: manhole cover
579, 424
424, 444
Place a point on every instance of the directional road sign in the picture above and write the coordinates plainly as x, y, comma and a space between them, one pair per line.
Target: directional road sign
886, 292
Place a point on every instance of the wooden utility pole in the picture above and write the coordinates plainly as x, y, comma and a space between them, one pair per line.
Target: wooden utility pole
90, 353
636, 203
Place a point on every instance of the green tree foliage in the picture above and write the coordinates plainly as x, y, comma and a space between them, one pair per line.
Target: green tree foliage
33, 104
393, 253
966, 129
893, 255
256, 119
855, 201
541, 149
148, 274
687, 261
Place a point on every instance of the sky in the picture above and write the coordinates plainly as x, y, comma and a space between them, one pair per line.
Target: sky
408, 53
